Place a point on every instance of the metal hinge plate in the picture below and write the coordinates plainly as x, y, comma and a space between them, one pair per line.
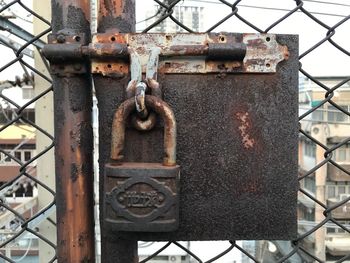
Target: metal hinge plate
61, 64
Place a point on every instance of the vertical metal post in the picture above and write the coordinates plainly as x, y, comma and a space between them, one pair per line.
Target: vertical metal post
73, 145
117, 16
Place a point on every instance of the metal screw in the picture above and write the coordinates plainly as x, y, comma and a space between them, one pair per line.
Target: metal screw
61, 39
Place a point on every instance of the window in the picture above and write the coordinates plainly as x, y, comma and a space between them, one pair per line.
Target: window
336, 115
18, 155
310, 215
6, 115
309, 149
330, 230
337, 190
31, 116
340, 230
342, 154
7, 159
317, 115
337, 229
330, 191
341, 189
27, 155
21, 155
309, 184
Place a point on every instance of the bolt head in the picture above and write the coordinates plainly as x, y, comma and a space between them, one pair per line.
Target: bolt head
61, 39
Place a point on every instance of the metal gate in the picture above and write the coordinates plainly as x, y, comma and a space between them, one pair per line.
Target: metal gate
324, 192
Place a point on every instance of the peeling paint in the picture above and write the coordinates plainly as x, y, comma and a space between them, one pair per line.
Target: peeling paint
111, 7
244, 127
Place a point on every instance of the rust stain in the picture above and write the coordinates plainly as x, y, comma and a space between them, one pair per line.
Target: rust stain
252, 186
83, 237
284, 50
173, 67
223, 66
259, 44
111, 7
244, 129
83, 4
111, 37
114, 68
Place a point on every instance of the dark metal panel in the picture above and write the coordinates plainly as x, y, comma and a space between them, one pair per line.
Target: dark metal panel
237, 147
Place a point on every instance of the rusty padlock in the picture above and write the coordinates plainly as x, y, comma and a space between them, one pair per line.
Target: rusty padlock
142, 197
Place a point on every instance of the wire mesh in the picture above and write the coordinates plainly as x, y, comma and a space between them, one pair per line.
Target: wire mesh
324, 219
168, 15
21, 215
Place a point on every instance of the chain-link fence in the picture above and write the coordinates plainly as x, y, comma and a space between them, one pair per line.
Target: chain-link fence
27, 196
26, 141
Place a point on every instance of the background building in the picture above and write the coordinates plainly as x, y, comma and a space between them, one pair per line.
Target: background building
328, 184
190, 15
18, 146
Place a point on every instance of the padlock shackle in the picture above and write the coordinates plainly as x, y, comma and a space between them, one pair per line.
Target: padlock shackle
119, 124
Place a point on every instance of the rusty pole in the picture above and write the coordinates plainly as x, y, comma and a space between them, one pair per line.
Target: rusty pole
117, 16
73, 144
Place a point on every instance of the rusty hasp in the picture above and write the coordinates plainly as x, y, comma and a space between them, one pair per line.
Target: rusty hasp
140, 103
145, 120
195, 53
110, 53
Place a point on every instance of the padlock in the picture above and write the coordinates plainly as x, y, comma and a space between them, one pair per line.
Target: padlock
142, 197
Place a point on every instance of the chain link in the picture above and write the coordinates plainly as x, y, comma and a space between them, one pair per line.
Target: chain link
20, 43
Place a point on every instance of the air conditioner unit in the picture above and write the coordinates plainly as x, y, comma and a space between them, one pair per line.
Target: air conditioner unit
344, 196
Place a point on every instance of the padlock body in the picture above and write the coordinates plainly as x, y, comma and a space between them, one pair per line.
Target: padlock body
141, 197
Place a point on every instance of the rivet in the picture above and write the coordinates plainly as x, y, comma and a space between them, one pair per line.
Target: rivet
61, 39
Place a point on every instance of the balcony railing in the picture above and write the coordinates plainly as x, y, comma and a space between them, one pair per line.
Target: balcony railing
329, 115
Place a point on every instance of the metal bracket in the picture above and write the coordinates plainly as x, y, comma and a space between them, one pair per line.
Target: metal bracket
64, 48
178, 53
